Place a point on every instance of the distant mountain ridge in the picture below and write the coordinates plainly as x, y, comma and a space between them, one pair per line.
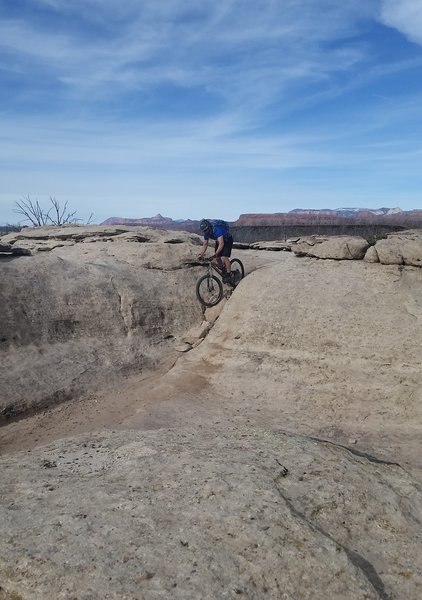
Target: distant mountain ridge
348, 212
328, 216
296, 216
156, 221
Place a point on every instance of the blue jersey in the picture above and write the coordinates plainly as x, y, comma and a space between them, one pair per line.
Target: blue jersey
219, 228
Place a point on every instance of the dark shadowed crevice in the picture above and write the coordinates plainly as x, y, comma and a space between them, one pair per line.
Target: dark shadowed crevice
363, 565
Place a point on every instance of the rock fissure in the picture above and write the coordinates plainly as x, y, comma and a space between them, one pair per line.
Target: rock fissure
121, 306
357, 452
361, 563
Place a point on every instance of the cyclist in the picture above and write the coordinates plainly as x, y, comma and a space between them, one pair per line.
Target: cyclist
218, 231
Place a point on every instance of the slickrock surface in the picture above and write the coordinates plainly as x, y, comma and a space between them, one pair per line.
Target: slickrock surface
210, 512
278, 457
339, 248
89, 304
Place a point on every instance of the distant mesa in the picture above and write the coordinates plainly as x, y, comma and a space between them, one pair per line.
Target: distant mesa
338, 216
158, 221
348, 212
298, 216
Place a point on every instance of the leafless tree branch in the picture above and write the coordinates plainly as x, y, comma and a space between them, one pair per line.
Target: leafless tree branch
60, 217
55, 215
32, 211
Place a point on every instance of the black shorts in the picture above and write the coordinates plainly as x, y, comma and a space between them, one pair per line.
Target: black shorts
228, 245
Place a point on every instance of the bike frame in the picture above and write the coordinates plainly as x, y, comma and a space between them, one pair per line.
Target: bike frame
212, 264
213, 284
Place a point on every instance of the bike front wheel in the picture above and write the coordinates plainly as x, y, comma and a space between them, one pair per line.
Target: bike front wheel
209, 290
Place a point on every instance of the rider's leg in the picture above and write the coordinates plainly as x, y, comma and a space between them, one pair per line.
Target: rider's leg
226, 252
227, 264
220, 265
223, 261
219, 262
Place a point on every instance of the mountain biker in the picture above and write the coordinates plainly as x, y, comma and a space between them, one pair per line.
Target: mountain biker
218, 231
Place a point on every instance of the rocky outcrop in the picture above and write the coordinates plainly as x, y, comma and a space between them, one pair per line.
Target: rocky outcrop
275, 246
280, 457
401, 249
10, 250
40, 238
404, 248
371, 255
211, 513
89, 303
338, 248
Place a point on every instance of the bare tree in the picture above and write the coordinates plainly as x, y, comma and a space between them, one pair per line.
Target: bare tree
38, 216
32, 211
59, 213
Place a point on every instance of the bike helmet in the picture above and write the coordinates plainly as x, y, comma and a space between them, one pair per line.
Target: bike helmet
205, 226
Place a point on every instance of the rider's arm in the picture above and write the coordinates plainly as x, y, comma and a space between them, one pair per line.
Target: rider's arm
220, 246
203, 248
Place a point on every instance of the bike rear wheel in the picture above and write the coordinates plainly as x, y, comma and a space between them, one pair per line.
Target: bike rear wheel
209, 290
237, 269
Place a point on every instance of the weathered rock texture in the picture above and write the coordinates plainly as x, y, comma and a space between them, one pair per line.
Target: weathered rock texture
338, 247
371, 255
207, 513
88, 304
401, 249
218, 482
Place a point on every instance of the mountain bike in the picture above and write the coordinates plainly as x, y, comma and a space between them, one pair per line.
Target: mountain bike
209, 288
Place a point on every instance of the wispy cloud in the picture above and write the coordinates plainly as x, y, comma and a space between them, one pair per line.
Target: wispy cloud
239, 51
222, 143
271, 93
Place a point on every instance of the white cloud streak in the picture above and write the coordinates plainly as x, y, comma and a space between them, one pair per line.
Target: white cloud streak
237, 50
221, 144
236, 58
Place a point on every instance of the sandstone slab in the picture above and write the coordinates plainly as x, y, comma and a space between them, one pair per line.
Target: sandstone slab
211, 513
337, 248
274, 246
201, 491
404, 248
76, 314
371, 255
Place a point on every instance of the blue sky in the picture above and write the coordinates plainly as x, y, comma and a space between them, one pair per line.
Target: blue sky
204, 108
